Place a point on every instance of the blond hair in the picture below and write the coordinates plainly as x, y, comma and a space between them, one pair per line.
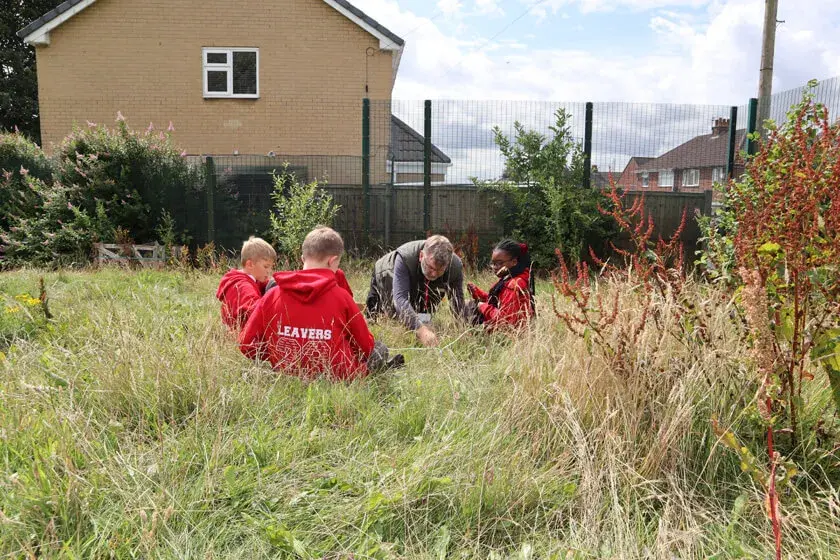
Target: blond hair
321, 243
256, 249
439, 249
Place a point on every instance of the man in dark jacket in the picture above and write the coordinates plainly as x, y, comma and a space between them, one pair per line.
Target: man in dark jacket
410, 282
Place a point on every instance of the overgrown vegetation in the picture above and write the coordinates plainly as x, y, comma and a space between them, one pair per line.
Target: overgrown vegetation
535, 447
781, 231
542, 198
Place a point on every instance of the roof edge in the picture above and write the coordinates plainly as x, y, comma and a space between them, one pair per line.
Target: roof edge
37, 32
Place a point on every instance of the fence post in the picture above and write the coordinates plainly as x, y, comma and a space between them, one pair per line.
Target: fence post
427, 167
730, 153
366, 166
389, 193
752, 115
587, 148
210, 188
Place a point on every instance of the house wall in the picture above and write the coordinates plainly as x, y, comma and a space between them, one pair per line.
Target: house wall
628, 179
631, 180
145, 60
418, 178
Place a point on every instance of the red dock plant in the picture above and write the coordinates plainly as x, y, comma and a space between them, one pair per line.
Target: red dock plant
787, 251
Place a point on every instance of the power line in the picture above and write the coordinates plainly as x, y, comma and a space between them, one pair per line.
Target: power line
436, 14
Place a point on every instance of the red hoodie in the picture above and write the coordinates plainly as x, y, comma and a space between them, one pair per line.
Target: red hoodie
309, 325
514, 305
341, 278
239, 292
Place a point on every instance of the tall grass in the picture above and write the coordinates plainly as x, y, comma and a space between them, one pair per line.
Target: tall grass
130, 426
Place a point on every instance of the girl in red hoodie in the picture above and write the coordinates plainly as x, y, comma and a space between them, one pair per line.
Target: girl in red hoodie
240, 290
510, 302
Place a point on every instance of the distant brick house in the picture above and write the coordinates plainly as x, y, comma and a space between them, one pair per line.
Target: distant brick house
252, 76
690, 167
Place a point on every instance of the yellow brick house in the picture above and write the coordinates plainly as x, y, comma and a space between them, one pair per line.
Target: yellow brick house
248, 77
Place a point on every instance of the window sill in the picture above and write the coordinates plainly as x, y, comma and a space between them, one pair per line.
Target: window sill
242, 96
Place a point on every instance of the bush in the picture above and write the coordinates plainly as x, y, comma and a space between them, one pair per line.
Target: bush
19, 157
54, 229
542, 201
135, 176
298, 208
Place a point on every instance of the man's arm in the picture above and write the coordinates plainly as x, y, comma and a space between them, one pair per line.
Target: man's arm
402, 295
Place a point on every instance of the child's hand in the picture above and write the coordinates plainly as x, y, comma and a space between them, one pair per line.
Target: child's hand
502, 272
473, 290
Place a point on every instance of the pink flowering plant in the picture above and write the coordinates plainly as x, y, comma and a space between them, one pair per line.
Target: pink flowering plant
134, 175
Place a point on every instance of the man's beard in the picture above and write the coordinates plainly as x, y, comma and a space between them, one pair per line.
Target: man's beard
425, 270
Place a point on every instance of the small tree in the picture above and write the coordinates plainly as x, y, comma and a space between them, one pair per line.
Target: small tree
542, 199
298, 208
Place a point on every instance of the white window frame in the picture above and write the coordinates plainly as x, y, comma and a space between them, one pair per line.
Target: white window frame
663, 173
645, 179
227, 67
719, 175
685, 175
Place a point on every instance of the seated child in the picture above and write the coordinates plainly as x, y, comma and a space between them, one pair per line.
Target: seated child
340, 278
240, 290
510, 302
309, 325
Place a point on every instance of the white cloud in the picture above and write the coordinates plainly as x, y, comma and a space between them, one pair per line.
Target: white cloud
449, 7
489, 7
542, 8
706, 58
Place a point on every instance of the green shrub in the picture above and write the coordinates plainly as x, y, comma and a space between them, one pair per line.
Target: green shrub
541, 199
298, 208
136, 176
19, 157
54, 229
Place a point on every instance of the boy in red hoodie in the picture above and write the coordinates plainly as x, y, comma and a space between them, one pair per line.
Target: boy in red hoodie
309, 324
240, 290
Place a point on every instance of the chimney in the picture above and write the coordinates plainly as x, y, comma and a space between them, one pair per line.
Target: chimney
721, 126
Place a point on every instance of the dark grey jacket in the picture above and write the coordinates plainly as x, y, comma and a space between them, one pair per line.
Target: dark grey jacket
424, 296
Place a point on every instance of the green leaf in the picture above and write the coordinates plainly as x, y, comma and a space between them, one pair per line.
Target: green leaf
769, 248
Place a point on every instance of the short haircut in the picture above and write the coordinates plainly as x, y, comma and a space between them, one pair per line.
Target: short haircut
439, 249
322, 242
256, 249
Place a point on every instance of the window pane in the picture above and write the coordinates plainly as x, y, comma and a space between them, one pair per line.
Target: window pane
217, 58
244, 72
217, 81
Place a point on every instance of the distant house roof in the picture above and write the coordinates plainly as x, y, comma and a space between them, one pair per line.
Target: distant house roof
37, 31
601, 179
708, 150
407, 144
640, 161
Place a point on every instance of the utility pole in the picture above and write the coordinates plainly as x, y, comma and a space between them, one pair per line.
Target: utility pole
768, 48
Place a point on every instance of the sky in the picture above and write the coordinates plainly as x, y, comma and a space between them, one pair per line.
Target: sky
658, 71
672, 51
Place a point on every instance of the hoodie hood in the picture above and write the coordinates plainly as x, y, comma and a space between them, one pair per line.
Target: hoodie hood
305, 285
231, 278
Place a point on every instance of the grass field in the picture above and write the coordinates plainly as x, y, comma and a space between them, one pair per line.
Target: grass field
130, 426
